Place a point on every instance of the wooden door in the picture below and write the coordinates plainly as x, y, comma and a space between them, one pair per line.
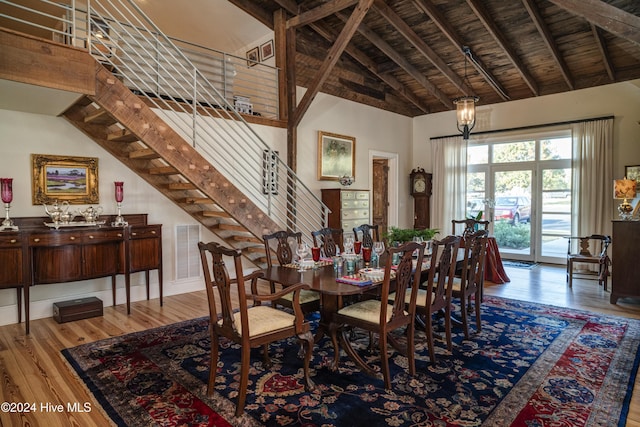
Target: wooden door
380, 209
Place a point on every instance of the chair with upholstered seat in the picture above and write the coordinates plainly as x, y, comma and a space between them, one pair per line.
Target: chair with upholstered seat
329, 240
381, 317
470, 281
249, 326
367, 234
435, 294
592, 250
279, 244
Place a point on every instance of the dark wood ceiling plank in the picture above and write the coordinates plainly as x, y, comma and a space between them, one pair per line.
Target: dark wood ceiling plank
371, 65
403, 63
256, 11
438, 18
547, 37
609, 18
597, 35
403, 28
482, 14
313, 15
333, 55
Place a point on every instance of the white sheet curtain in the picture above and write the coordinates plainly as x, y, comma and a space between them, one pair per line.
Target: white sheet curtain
449, 182
593, 177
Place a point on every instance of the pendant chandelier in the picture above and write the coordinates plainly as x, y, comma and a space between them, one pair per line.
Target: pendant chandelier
466, 105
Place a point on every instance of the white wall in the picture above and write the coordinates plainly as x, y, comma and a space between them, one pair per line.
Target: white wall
621, 100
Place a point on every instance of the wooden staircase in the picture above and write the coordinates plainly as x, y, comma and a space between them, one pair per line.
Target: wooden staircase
120, 122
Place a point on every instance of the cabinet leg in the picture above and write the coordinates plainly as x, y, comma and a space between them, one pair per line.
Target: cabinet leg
113, 290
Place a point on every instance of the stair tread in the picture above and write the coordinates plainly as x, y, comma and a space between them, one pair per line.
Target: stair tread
145, 153
163, 170
100, 117
181, 186
123, 135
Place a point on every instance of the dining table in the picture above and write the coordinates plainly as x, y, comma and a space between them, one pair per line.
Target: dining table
324, 280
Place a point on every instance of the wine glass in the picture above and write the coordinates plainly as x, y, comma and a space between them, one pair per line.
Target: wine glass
315, 253
348, 244
378, 248
302, 250
366, 256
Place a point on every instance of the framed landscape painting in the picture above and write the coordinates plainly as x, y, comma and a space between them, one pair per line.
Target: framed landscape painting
64, 178
336, 156
632, 172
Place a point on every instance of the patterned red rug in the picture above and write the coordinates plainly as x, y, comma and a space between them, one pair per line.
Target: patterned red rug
532, 365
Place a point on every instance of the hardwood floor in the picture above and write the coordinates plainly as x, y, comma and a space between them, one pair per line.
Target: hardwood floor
33, 371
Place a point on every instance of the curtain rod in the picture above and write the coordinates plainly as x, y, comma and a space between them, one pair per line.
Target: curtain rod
568, 122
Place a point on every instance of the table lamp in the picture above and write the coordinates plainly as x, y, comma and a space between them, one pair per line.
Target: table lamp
624, 189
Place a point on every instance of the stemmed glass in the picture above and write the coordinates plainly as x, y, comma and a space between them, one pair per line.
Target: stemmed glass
378, 248
302, 250
348, 244
315, 253
366, 256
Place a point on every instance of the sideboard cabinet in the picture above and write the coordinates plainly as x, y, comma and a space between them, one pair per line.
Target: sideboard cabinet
625, 275
39, 255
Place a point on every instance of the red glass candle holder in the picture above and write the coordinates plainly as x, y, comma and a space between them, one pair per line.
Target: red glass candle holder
119, 191
6, 188
119, 220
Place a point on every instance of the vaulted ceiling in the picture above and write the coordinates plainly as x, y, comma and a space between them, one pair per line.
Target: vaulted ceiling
410, 56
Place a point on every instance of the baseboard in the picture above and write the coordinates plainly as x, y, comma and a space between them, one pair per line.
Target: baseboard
44, 308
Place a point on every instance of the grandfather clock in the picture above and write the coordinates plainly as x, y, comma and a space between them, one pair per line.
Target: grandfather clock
420, 188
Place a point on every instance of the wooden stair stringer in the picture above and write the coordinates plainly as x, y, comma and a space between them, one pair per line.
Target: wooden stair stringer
154, 134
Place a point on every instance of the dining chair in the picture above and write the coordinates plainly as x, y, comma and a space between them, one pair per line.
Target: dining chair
329, 240
434, 295
599, 244
249, 326
382, 317
470, 281
464, 227
279, 244
369, 234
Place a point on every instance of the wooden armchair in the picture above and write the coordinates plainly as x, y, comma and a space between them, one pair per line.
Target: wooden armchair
249, 326
279, 244
329, 240
464, 227
369, 234
381, 317
600, 244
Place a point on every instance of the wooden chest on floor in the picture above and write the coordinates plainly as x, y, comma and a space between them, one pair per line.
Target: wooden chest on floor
77, 309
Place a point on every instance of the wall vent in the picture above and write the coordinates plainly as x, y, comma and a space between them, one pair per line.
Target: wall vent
187, 255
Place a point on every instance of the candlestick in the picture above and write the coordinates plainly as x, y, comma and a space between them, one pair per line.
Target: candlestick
7, 196
119, 220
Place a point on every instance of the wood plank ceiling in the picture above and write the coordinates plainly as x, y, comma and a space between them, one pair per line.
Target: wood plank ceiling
408, 56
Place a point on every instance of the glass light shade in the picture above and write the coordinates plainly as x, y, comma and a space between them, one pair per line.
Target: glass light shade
119, 191
466, 114
7, 190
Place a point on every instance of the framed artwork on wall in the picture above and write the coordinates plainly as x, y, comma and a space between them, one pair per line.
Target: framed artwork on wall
266, 50
336, 156
64, 178
632, 172
253, 56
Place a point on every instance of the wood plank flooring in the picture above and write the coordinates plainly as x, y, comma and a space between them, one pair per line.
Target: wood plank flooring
33, 371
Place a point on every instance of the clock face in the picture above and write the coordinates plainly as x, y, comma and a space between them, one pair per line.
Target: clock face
419, 185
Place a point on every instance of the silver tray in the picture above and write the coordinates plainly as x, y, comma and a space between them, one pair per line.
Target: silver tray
74, 224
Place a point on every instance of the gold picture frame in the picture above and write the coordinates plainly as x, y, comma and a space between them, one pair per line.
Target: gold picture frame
336, 156
253, 56
64, 178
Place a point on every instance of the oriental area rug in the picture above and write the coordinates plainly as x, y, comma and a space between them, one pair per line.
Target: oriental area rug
532, 365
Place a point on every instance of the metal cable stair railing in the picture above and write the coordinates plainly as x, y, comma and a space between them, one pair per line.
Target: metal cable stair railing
120, 36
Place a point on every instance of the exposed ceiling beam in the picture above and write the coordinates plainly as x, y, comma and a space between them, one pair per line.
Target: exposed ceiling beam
604, 52
256, 11
438, 18
403, 63
403, 28
547, 37
332, 57
371, 65
610, 18
313, 15
484, 17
